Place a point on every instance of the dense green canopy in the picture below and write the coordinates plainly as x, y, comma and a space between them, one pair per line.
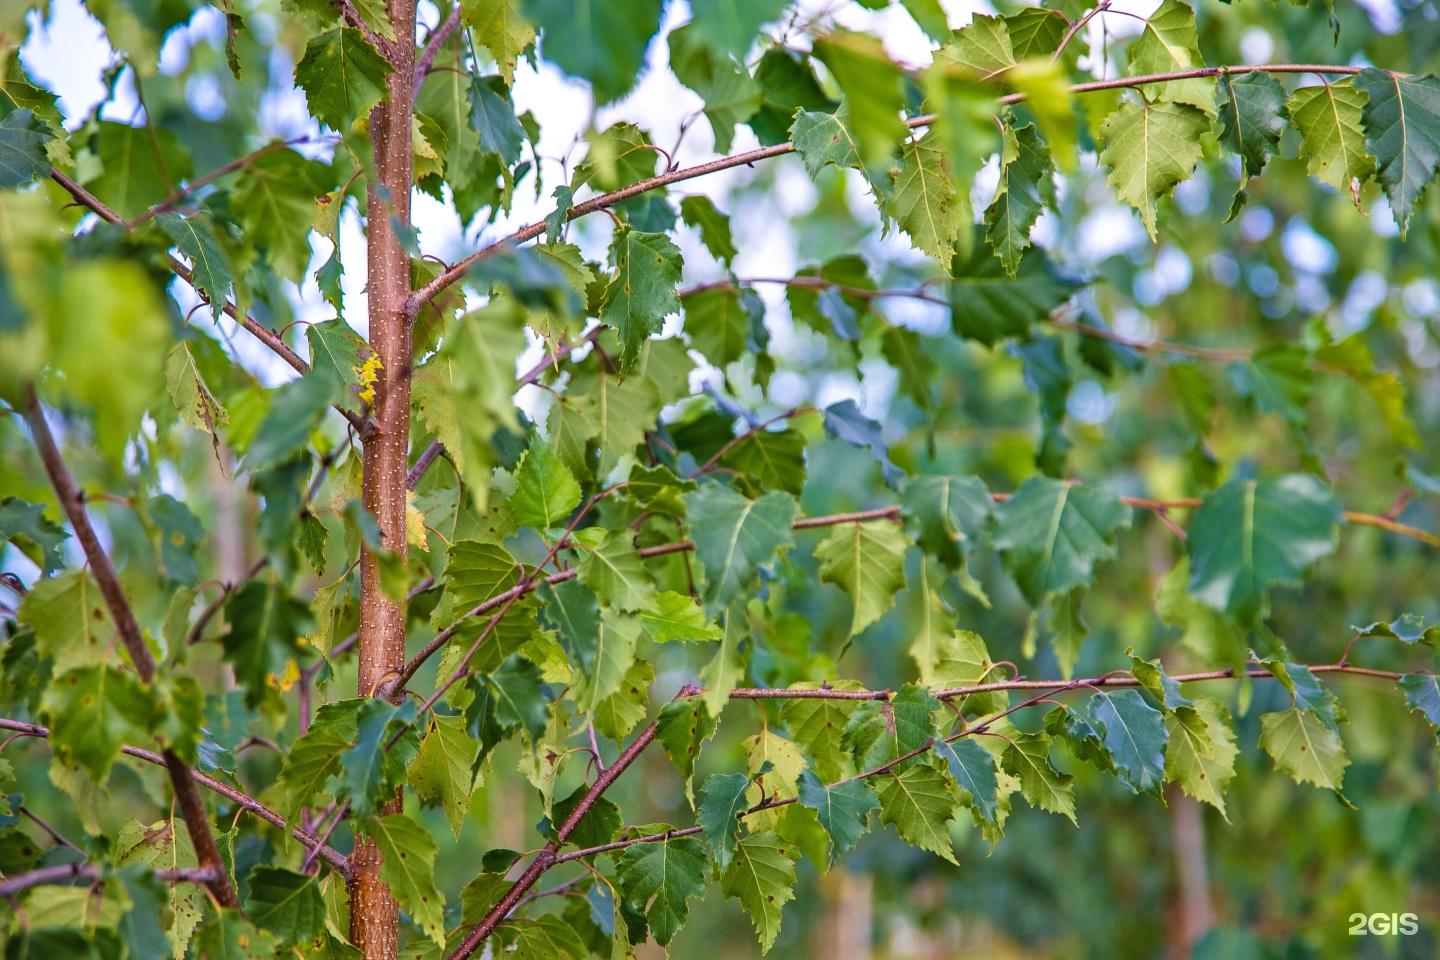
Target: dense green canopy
925, 491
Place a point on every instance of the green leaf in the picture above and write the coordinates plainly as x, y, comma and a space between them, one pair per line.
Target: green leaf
1135, 735
882, 731
1303, 745
602, 41
774, 459
732, 25
1168, 44
137, 172
23, 137
1402, 130
92, 712
1036, 32
492, 115
541, 938
681, 729
1028, 757
71, 621
762, 878
843, 810
519, 697
920, 802
407, 866
344, 361
982, 47
617, 574
475, 572
229, 936
286, 903
274, 201
209, 264
1025, 188
723, 798
642, 291
1250, 535
721, 323
658, 879
1149, 148
872, 84
675, 616
1051, 534
818, 724
443, 770
619, 155
35, 535
265, 623
734, 536
825, 138
988, 306
315, 757
370, 769
926, 201
946, 515
498, 25
1332, 137
605, 658
1422, 694
727, 668
342, 76
193, 400
1200, 753
545, 492
867, 561
1252, 117
972, 767
617, 714
714, 227
730, 95
1279, 378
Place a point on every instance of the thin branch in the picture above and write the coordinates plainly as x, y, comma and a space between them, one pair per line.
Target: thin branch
174, 200
432, 289
433, 43
1047, 686
333, 857
363, 425
72, 504
198, 629
1159, 507
54, 834
546, 858
10, 886
347, 10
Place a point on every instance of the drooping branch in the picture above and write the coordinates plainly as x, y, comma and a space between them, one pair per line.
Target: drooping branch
264, 334
10, 886
1047, 688
550, 857
546, 858
453, 274
72, 503
433, 43
1160, 508
333, 857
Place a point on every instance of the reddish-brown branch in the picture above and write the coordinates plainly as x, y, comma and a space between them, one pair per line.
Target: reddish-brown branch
363, 427
433, 289
10, 886
1048, 687
72, 504
546, 858
333, 857
433, 43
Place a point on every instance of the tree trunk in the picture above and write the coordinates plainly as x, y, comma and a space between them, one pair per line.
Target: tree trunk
374, 918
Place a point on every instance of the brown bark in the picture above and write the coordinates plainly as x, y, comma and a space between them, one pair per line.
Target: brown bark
374, 917
72, 503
